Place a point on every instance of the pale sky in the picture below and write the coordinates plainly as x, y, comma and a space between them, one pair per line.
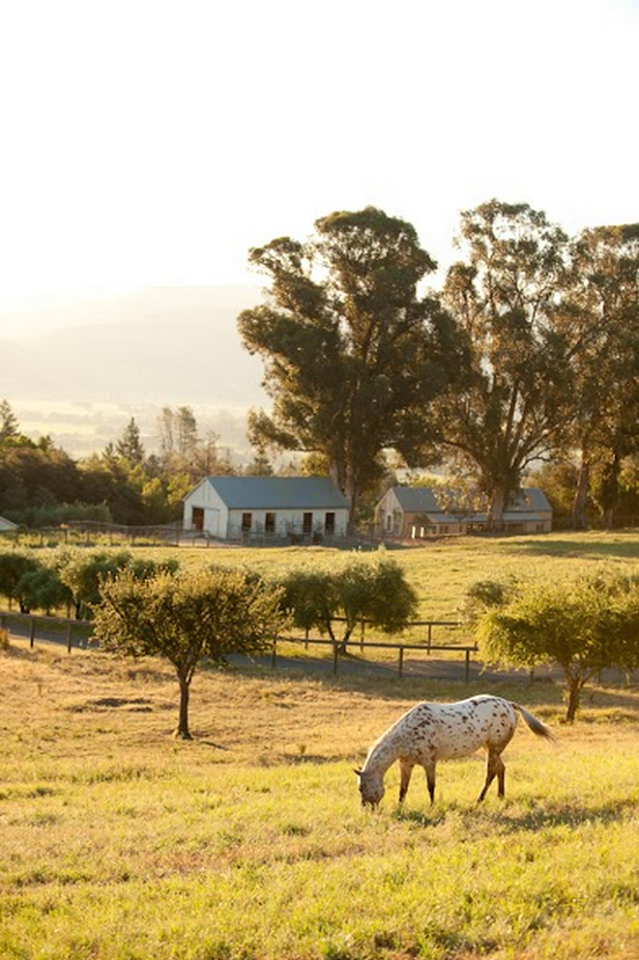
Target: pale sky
152, 143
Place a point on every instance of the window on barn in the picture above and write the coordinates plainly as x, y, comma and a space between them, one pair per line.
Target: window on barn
329, 523
247, 520
197, 518
307, 523
269, 523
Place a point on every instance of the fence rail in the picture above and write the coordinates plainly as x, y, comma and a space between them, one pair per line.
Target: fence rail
52, 629
337, 646
78, 633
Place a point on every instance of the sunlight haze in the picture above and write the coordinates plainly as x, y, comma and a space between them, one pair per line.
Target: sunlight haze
150, 145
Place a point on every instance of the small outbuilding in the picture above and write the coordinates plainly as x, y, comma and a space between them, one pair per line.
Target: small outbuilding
422, 512
6, 525
262, 509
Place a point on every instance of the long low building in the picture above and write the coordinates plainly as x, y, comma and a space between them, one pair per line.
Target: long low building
422, 512
253, 509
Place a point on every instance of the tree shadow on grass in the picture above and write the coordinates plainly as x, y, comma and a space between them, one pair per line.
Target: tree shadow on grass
583, 550
534, 819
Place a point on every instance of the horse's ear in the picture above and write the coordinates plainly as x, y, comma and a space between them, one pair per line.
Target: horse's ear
358, 772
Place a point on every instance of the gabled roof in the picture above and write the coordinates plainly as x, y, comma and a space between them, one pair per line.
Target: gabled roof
417, 499
530, 500
7, 524
278, 493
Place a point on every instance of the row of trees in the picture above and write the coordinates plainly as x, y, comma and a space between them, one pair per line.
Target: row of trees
529, 352
143, 608
40, 484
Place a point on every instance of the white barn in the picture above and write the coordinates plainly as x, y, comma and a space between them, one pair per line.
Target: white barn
420, 512
259, 509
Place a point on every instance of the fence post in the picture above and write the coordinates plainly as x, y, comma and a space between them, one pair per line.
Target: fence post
400, 665
430, 636
467, 666
335, 656
69, 635
31, 631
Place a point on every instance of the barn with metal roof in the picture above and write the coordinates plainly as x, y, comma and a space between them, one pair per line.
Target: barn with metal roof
419, 512
256, 509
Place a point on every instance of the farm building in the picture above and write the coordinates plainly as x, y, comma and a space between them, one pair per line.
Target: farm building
296, 509
7, 525
420, 512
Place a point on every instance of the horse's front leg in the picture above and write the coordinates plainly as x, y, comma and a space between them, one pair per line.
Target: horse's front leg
406, 768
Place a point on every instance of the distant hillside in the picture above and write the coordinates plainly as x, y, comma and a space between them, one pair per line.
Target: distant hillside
80, 374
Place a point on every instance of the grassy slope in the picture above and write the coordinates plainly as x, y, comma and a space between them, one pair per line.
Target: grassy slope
119, 843
441, 571
249, 842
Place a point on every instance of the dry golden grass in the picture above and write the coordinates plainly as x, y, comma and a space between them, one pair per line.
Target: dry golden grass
248, 843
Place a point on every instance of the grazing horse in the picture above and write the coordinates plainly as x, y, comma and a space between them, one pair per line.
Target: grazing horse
442, 731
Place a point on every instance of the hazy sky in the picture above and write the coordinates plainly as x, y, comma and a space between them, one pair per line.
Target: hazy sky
152, 143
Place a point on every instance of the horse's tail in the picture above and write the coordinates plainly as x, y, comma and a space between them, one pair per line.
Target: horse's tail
537, 727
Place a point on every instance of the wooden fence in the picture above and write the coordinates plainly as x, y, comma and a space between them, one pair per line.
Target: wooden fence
400, 648
78, 633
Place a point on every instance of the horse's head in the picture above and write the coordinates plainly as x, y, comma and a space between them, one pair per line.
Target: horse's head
371, 788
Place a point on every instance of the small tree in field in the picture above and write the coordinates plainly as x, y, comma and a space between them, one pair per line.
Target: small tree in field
185, 617
14, 565
374, 591
584, 625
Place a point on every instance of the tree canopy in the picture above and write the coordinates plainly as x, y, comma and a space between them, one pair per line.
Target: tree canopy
602, 308
353, 352
583, 624
516, 401
341, 597
186, 616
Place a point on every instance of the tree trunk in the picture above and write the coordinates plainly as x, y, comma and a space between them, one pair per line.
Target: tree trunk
610, 490
182, 730
496, 506
574, 696
579, 519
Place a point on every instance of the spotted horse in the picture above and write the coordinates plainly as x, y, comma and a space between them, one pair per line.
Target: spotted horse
444, 731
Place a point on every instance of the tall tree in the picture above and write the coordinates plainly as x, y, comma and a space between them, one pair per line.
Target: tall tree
9, 429
504, 297
130, 446
603, 309
353, 353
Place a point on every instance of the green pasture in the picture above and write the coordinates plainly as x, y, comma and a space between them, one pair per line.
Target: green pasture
441, 571
119, 843
249, 843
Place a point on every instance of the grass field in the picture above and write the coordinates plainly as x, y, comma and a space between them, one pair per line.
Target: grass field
249, 843
441, 571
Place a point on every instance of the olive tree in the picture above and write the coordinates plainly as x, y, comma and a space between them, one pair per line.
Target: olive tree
186, 617
361, 589
583, 625
14, 565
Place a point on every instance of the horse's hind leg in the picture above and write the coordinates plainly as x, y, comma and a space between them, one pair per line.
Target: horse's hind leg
494, 768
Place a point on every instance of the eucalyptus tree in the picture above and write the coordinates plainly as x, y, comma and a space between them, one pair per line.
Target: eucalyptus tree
516, 401
353, 352
603, 309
